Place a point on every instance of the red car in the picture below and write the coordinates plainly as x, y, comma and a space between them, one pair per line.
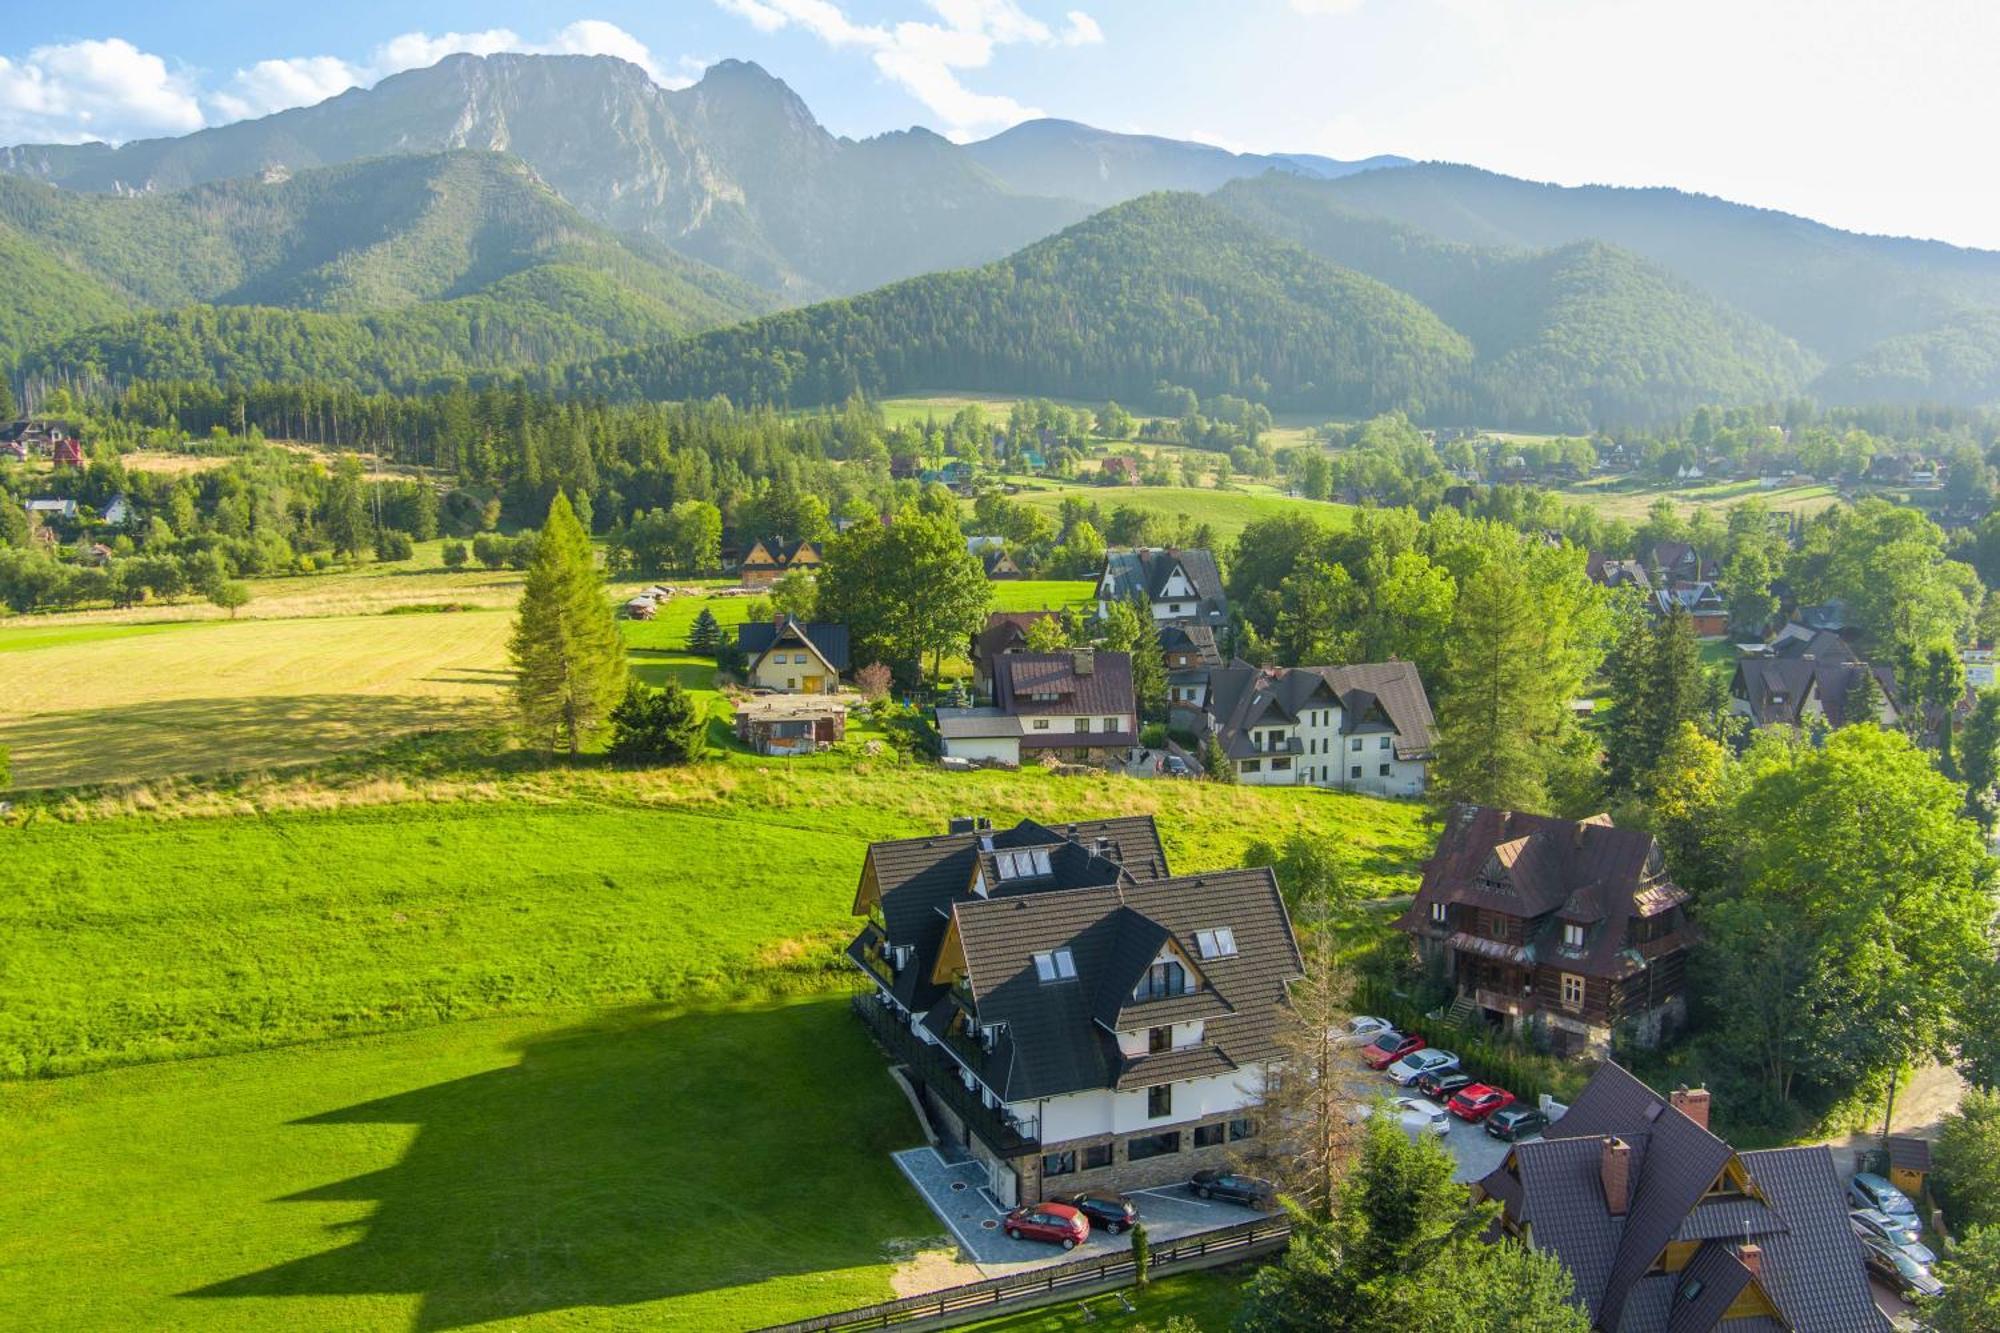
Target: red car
1390, 1047
1057, 1223
1478, 1101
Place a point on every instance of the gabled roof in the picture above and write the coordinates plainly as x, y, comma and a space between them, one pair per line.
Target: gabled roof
829, 642
918, 879
1554, 872
1380, 696
1144, 571
1058, 1039
1789, 1206
1005, 631
1777, 690
1198, 640
781, 554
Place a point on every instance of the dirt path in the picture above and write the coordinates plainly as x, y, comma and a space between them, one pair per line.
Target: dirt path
1922, 1103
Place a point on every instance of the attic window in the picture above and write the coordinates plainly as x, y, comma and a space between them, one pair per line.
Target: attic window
1059, 965
1572, 935
1217, 943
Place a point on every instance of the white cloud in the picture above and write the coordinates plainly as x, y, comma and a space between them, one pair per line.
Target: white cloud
926, 58
112, 90
93, 90
1082, 30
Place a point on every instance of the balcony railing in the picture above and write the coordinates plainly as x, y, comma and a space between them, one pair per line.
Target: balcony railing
1500, 1002
938, 1072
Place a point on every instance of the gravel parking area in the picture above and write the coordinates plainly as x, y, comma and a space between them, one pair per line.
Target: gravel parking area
957, 1192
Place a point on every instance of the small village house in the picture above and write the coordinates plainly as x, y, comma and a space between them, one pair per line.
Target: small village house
1006, 633
1068, 1011
1555, 928
1076, 706
785, 654
1808, 678
791, 726
1190, 654
1179, 586
768, 561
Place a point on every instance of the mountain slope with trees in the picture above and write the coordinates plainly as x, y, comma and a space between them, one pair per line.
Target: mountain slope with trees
1165, 288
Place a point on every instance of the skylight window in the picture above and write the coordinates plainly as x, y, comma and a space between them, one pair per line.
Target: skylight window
1056, 965
1021, 865
1217, 943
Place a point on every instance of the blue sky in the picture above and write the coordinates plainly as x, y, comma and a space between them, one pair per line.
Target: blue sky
1863, 113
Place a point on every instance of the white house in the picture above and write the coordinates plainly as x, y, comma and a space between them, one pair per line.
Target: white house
1075, 705
1179, 586
788, 655
1074, 1015
1356, 728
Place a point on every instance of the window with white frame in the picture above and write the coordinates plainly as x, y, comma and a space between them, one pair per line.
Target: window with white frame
1217, 943
1439, 913
1055, 965
1572, 935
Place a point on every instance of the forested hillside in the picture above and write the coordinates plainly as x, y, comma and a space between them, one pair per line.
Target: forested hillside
1168, 287
1584, 334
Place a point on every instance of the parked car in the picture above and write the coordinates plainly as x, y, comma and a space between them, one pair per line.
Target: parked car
1247, 1190
1057, 1223
1113, 1212
1390, 1047
1868, 1190
1421, 1118
1874, 1222
1361, 1029
1511, 1124
1476, 1101
1416, 1064
1443, 1085
1177, 767
1889, 1264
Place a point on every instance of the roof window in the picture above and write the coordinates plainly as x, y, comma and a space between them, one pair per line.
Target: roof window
1217, 943
1023, 865
1056, 965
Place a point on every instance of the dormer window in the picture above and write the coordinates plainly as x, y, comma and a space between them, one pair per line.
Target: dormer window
1056, 965
1217, 943
1439, 913
1572, 935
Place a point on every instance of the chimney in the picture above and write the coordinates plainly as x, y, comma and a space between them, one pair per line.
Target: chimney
778, 619
1615, 1169
1692, 1103
1751, 1256
960, 824
1083, 661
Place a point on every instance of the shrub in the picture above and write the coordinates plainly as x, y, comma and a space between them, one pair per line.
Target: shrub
489, 550
1966, 1176
1142, 1254
454, 555
873, 681
394, 546
521, 552
660, 726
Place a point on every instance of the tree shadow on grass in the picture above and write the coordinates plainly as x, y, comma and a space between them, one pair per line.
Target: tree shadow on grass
636, 1159
187, 736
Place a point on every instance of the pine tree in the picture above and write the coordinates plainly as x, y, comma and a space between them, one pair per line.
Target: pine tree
706, 635
568, 654
1492, 723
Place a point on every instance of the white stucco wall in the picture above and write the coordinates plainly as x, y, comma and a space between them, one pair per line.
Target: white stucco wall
1005, 749
1086, 1114
772, 674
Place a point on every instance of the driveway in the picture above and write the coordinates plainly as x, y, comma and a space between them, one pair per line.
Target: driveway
957, 1192
1476, 1152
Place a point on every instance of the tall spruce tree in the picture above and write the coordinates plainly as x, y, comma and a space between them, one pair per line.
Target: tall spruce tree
1494, 721
1657, 683
569, 657
705, 636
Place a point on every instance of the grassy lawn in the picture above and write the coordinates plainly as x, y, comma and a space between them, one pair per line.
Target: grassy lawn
111, 702
1227, 512
163, 934
1210, 1298
1621, 499
699, 1170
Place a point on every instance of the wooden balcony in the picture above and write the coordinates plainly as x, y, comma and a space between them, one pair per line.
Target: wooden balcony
1501, 1003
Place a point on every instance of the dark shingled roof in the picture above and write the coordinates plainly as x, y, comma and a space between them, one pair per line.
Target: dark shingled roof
1056, 1041
1144, 572
921, 877
829, 641
1777, 690
1006, 631
1794, 1212
1376, 697
1585, 872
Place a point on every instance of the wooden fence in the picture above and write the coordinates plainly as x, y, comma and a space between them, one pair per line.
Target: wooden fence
1263, 1235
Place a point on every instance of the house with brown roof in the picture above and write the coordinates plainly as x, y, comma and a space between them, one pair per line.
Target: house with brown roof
1069, 1011
1190, 653
1356, 728
1006, 633
1665, 1228
1558, 928
1077, 706
1610, 572
768, 561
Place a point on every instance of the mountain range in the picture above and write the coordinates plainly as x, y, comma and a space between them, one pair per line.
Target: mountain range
510, 211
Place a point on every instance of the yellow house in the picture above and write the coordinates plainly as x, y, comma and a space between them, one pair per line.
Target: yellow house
793, 657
